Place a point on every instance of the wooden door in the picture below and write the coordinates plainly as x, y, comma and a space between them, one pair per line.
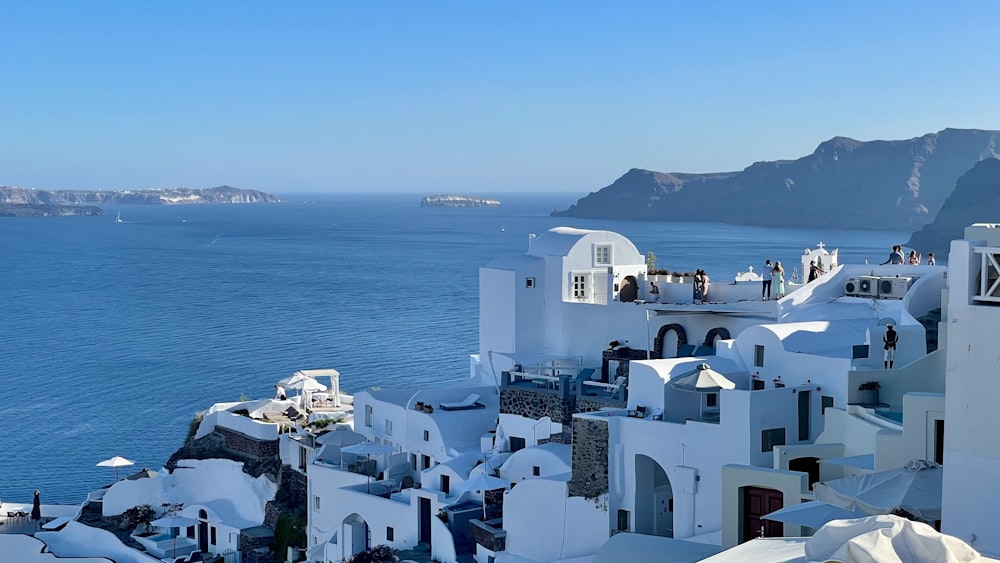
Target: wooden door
757, 502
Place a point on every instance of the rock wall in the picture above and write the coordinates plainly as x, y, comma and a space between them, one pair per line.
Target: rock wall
538, 404
242, 444
590, 458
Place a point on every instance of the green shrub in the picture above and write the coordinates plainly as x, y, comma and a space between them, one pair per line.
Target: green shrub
193, 427
142, 515
377, 554
290, 531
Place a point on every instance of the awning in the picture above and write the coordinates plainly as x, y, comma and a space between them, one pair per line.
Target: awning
863, 461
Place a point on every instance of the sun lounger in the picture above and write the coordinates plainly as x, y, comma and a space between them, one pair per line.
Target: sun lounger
470, 402
584, 374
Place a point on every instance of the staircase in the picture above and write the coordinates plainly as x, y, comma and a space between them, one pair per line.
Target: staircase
930, 323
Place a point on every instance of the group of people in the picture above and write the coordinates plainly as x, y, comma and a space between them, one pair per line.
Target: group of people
776, 274
913, 259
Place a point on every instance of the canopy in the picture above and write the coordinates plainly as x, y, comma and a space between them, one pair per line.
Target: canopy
915, 488
116, 461
367, 448
174, 522
886, 538
813, 514
307, 384
484, 482
703, 378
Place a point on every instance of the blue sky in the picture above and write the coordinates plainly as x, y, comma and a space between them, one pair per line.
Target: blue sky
470, 97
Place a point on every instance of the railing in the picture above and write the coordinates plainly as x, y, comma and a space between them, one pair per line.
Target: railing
989, 274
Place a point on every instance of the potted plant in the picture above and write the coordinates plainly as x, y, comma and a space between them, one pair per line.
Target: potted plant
869, 392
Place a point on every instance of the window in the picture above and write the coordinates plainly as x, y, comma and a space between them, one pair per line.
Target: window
211, 534
859, 351
758, 355
711, 399
413, 460
770, 438
827, 402
622, 520
445, 484
427, 435
602, 255
804, 429
316, 503
529, 282
580, 286
190, 531
516, 444
536, 471
390, 534
388, 427
427, 461
369, 415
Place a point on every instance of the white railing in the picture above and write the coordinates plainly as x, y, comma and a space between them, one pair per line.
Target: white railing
989, 274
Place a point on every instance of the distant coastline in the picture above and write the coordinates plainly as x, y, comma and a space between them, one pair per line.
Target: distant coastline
458, 201
27, 202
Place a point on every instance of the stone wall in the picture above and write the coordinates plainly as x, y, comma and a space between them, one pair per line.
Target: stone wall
243, 444
537, 404
489, 536
294, 485
590, 458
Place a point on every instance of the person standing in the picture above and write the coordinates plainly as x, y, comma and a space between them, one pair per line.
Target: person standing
778, 274
913, 259
930, 259
814, 271
765, 289
895, 257
889, 341
654, 292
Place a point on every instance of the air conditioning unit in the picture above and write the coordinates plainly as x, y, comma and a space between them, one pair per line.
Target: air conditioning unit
867, 286
893, 288
852, 287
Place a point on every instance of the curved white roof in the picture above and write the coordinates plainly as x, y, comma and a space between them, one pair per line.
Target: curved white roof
559, 241
822, 338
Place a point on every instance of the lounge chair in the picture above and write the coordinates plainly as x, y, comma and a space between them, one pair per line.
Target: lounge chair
470, 402
584, 374
686, 350
195, 557
704, 351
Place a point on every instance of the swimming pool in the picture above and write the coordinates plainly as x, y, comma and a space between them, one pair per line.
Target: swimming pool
895, 415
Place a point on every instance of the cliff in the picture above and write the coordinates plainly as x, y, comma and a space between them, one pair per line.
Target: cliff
458, 201
976, 199
168, 196
844, 183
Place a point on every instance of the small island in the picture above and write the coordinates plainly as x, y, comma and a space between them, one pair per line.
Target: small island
26, 202
458, 201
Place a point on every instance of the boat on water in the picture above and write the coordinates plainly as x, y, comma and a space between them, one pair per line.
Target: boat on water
118, 219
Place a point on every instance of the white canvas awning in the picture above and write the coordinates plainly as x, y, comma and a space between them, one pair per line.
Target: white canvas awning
915, 488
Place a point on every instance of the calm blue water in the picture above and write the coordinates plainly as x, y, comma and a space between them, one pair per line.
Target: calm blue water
113, 335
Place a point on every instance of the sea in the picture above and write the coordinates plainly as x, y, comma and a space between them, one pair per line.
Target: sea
113, 335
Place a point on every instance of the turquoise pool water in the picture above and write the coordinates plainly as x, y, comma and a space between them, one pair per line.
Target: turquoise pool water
891, 414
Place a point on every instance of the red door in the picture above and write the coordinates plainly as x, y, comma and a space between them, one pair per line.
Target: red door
757, 502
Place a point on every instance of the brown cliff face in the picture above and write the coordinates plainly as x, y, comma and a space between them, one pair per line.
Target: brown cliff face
975, 199
844, 183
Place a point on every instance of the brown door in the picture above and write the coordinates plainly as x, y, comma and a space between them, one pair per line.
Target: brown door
757, 502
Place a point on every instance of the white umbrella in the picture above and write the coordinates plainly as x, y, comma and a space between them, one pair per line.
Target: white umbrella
814, 514
308, 384
174, 522
115, 462
484, 482
915, 488
703, 379
886, 538
367, 449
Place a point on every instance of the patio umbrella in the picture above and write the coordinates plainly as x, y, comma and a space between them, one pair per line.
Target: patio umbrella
915, 488
813, 514
305, 385
702, 379
174, 522
366, 449
886, 538
484, 482
115, 462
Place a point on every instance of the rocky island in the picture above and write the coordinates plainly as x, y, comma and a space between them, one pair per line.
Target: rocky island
26, 202
844, 183
458, 201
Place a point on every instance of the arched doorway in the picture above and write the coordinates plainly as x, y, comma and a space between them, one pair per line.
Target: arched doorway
628, 291
355, 534
755, 503
203, 531
661, 337
654, 499
717, 333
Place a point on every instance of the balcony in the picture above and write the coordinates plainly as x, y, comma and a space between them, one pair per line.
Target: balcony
489, 534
